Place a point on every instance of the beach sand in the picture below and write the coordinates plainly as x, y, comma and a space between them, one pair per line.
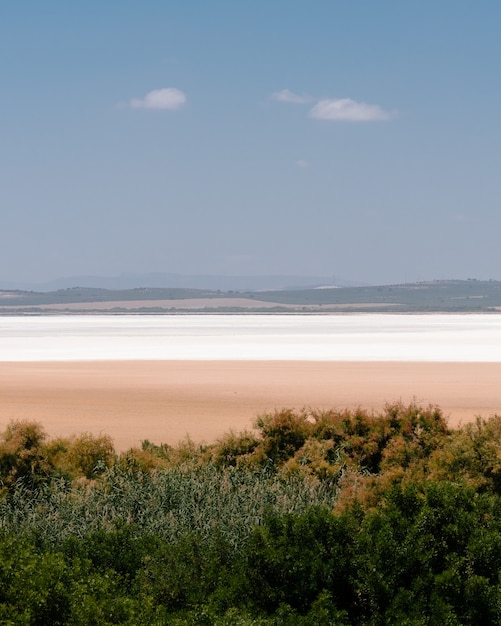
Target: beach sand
164, 401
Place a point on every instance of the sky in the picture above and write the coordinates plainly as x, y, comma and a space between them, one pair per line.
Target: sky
353, 139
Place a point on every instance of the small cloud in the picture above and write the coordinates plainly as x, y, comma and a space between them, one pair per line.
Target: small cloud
168, 98
292, 98
302, 163
347, 110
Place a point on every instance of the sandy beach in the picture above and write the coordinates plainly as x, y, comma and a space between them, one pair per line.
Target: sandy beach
164, 401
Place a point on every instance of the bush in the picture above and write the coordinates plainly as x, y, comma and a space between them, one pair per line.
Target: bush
473, 455
283, 433
82, 455
21, 454
294, 559
234, 449
431, 557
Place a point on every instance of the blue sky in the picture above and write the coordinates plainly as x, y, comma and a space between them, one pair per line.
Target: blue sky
357, 139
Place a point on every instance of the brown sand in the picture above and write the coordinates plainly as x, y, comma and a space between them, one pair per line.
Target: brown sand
164, 400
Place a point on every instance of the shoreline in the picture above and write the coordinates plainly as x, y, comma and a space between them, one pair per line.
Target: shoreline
164, 401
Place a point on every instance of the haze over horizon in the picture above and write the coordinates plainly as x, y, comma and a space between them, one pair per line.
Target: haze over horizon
357, 140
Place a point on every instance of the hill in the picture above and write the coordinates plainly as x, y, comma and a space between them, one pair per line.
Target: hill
433, 296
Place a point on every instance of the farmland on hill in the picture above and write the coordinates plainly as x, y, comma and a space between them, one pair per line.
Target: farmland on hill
434, 296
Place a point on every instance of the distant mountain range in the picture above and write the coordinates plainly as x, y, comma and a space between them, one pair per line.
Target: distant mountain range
198, 281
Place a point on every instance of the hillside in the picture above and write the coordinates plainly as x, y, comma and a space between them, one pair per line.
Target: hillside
434, 296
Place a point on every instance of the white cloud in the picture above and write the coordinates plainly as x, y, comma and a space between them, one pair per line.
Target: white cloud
168, 98
302, 163
288, 96
347, 110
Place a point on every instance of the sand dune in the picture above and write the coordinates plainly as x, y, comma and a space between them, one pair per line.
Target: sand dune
165, 400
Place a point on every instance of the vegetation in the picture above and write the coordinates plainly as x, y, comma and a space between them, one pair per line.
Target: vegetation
428, 296
314, 517
431, 296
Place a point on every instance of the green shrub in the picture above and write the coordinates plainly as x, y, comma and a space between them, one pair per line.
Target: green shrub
473, 454
234, 449
421, 555
293, 559
21, 455
283, 433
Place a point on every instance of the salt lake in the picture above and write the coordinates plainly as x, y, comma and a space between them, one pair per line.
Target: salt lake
351, 337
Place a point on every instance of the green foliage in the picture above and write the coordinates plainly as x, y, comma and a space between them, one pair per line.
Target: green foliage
418, 557
21, 454
234, 449
292, 559
317, 517
473, 455
46, 588
415, 433
82, 455
167, 504
283, 433
121, 549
